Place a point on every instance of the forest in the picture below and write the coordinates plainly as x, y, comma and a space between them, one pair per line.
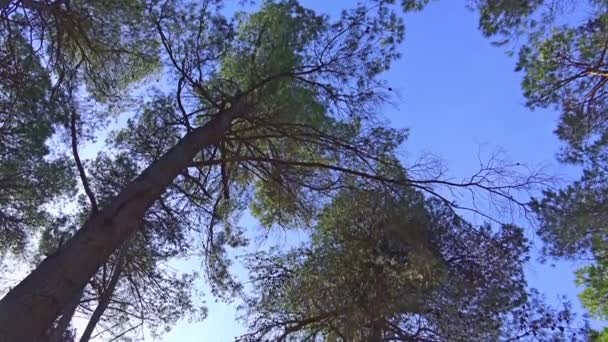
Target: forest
163, 159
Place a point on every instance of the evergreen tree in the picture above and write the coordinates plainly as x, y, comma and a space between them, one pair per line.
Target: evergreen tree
273, 111
563, 57
394, 266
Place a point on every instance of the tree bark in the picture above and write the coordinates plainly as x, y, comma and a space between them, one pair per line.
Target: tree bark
66, 317
32, 306
105, 299
375, 332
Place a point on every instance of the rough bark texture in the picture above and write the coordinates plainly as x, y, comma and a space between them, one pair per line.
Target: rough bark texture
30, 308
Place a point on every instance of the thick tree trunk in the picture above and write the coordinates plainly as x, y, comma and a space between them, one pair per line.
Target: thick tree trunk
66, 317
375, 333
32, 306
106, 297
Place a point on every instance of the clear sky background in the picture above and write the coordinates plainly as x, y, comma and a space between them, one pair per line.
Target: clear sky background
456, 92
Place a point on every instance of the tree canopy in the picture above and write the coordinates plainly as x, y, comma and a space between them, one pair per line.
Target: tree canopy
274, 112
396, 266
28, 117
563, 58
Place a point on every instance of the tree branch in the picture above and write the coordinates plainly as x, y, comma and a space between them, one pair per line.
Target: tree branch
81, 172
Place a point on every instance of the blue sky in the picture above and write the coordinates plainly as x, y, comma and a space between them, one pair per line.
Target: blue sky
456, 92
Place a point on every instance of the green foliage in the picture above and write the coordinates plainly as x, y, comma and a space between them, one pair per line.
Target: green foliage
503, 16
595, 295
297, 64
271, 42
29, 176
414, 5
572, 219
148, 290
116, 40
110, 43
313, 88
599, 336
48, 50
397, 266
150, 134
293, 96
563, 58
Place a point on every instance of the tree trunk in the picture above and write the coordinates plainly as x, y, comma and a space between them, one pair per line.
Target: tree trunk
106, 297
66, 317
375, 332
32, 306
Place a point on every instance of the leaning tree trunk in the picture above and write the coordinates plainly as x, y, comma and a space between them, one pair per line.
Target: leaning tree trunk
30, 308
66, 317
106, 297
